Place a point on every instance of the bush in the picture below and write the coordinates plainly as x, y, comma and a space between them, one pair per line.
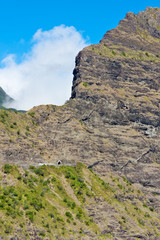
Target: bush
68, 214
120, 186
146, 214
53, 179
39, 172
68, 175
25, 206
18, 132
113, 52
36, 204
85, 84
73, 205
124, 219
60, 187
42, 233
7, 168
141, 221
19, 177
151, 209
27, 128
32, 114
30, 215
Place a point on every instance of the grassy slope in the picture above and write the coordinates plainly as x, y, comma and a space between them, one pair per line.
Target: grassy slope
53, 203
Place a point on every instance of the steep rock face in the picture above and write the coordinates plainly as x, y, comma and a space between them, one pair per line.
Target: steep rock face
111, 123
120, 77
137, 32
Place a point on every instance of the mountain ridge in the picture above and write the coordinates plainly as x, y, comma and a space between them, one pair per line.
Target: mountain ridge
110, 124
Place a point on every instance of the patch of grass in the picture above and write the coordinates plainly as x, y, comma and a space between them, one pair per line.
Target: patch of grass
123, 53
32, 114
85, 84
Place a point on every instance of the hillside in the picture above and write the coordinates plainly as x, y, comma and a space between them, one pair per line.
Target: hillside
110, 124
72, 202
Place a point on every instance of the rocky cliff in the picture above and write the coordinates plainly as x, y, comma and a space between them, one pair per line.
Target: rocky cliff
112, 121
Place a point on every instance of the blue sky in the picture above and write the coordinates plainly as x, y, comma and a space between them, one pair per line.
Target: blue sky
20, 19
37, 58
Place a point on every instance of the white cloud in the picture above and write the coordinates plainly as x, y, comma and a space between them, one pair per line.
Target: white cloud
45, 74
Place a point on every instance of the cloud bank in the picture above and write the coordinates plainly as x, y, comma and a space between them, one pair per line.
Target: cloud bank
44, 76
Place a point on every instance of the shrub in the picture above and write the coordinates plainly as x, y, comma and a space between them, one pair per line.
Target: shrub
32, 167
85, 84
68, 175
32, 114
151, 209
19, 177
27, 128
120, 186
42, 194
113, 52
144, 205
51, 215
146, 214
53, 179
25, 206
141, 221
87, 223
88, 193
60, 187
124, 219
36, 204
45, 183
30, 215
18, 132
39, 172
68, 214
7, 168
73, 205
42, 233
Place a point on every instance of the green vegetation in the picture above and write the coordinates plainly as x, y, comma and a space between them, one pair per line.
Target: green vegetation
32, 114
85, 84
123, 53
115, 52
54, 200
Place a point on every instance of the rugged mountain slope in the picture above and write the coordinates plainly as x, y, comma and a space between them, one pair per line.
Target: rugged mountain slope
111, 123
71, 203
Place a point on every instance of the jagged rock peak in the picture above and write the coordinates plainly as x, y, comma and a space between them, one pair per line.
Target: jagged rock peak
137, 31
